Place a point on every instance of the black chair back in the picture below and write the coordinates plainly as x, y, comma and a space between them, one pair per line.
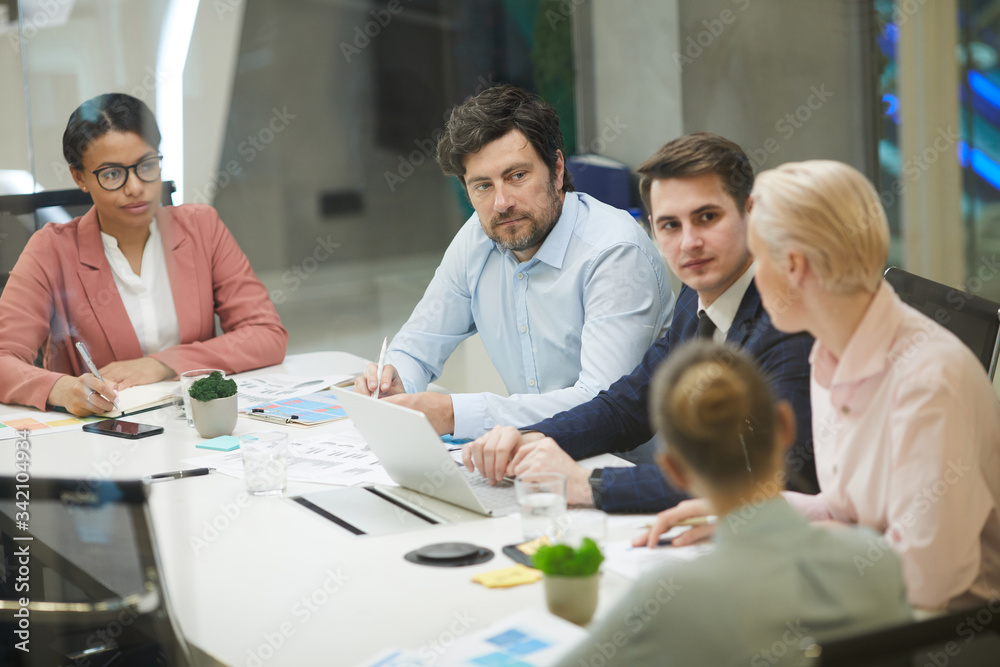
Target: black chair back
968, 638
43, 207
973, 319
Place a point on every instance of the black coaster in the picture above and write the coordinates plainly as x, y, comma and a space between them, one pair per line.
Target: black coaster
449, 554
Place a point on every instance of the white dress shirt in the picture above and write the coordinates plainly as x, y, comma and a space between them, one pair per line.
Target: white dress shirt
723, 310
559, 327
906, 432
148, 298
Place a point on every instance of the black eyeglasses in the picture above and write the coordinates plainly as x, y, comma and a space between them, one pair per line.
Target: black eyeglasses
113, 178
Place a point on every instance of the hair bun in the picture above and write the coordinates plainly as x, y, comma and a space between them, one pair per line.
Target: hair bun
714, 399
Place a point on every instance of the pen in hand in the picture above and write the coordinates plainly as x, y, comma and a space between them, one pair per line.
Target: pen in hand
381, 365
85, 355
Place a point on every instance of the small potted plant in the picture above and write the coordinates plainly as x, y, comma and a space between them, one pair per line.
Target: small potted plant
213, 405
571, 578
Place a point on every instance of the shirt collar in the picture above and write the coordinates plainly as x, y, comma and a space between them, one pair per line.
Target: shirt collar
111, 242
771, 516
723, 310
556, 244
867, 351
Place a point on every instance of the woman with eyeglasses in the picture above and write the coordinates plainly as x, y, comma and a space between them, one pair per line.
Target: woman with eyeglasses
138, 284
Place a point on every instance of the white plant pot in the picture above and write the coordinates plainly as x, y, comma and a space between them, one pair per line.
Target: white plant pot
572, 598
214, 418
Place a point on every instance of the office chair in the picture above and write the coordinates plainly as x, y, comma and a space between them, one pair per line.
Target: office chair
46, 206
969, 638
29, 203
92, 576
973, 319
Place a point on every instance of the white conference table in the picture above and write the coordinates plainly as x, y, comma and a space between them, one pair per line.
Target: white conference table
264, 581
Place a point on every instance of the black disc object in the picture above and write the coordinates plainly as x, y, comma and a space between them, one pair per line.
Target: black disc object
449, 554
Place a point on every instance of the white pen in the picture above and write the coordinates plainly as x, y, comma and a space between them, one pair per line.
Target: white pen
85, 355
381, 365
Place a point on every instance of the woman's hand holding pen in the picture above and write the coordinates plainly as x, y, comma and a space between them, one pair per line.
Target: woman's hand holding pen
667, 519
84, 395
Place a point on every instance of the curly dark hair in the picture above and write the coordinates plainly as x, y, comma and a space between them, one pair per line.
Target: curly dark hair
490, 115
111, 112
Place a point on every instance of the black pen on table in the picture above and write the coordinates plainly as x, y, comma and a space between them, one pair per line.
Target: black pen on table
177, 474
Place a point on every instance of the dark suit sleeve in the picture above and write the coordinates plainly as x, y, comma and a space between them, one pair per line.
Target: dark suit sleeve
617, 419
637, 490
784, 359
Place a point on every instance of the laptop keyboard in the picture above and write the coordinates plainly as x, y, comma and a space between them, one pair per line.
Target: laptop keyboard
500, 498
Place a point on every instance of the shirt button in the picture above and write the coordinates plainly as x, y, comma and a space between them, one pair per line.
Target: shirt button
531, 382
835, 470
523, 328
846, 410
520, 276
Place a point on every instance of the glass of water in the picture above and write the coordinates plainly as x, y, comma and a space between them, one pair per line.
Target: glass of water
265, 462
542, 497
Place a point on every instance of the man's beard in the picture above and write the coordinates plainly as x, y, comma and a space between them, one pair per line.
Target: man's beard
538, 227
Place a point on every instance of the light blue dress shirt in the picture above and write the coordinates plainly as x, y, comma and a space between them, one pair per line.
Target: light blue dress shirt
773, 587
559, 328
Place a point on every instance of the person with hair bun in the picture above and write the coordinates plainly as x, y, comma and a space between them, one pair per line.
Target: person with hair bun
906, 427
139, 284
772, 578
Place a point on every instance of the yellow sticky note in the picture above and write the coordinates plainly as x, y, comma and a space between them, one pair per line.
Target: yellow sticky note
529, 548
514, 575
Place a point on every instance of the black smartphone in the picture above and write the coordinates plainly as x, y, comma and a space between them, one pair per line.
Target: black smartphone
123, 429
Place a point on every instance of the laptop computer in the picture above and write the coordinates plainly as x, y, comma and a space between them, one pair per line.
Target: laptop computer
415, 458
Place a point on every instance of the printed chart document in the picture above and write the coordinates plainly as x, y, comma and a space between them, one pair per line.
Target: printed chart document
343, 459
632, 562
279, 386
40, 423
530, 638
302, 411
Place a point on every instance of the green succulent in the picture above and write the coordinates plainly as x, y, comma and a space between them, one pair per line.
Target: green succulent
563, 560
212, 387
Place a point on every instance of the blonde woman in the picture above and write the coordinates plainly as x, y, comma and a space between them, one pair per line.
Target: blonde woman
723, 438
906, 427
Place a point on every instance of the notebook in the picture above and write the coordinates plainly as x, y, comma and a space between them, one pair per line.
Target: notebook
142, 397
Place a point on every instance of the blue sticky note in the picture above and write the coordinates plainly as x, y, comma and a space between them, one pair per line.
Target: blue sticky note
224, 443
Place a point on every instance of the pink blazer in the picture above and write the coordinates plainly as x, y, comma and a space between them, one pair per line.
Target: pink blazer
62, 290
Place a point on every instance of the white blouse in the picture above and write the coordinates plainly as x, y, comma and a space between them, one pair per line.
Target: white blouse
148, 299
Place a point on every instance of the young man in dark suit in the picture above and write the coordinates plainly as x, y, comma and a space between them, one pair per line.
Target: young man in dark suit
697, 190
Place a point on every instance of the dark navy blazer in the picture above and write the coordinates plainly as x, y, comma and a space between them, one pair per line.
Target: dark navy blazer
617, 420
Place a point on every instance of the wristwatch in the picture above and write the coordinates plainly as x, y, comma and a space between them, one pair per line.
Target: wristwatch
596, 476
